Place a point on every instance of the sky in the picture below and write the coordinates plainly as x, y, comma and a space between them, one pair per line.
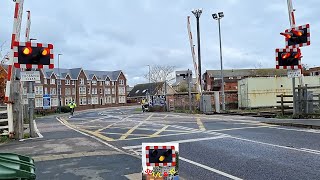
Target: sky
128, 35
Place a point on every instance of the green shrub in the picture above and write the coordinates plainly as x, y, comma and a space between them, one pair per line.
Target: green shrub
65, 109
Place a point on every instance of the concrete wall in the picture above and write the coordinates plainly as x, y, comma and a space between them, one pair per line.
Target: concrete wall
262, 92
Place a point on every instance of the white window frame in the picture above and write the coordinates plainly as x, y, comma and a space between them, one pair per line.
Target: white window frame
113, 100
53, 91
82, 90
113, 91
38, 90
81, 81
83, 101
54, 102
121, 82
67, 82
101, 83
52, 81
73, 82
108, 83
94, 82
45, 90
38, 102
74, 91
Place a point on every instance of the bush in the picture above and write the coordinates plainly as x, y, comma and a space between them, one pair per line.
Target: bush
65, 109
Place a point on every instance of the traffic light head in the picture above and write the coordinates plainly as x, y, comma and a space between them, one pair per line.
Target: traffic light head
160, 156
35, 55
297, 37
288, 58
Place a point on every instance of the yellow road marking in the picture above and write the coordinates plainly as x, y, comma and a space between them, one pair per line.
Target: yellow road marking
111, 125
130, 134
200, 124
124, 136
87, 131
160, 131
190, 132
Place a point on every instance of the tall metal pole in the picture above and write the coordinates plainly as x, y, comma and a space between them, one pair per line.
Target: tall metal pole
59, 83
199, 49
221, 63
189, 89
31, 102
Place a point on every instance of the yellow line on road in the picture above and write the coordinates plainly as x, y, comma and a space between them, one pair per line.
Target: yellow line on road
160, 131
130, 134
200, 124
97, 131
124, 136
87, 131
190, 132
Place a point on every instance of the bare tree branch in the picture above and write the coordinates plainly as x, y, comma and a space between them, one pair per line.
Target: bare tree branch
159, 73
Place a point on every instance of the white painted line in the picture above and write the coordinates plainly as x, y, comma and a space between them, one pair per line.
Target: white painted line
183, 141
210, 169
37, 131
312, 150
107, 144
299, 130
274, 145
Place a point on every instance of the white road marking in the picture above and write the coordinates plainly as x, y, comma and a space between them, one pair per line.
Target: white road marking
312, 150
210, 169
274, 145
299, 130
183, 141
37, 131
103, 142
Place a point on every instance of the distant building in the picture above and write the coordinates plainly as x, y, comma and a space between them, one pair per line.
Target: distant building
85, 87
140, 91
231, 77
181, 83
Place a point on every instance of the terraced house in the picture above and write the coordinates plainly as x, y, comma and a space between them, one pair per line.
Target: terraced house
87, 88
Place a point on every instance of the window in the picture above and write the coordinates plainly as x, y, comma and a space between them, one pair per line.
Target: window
113, 91
59, 91
121, 82
38, 90
88, 82
89, 101
73, 82
94, 82
107, 91
39, 102
137, 91
45, 90
81, 81
121, 90
53, 91
95, 100
108, 100
239, 77
122, 99
59, 81
54, 101
108, 83
100, 90
95, 91
73, 91
230, 77
67, 81
113, 100
45, 81
82, 90
112, 83
68, 91
101, 83
25, 90
83, 101
53, 81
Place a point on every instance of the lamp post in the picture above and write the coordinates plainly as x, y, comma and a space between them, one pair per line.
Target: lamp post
219, 16
59, 83
197, 13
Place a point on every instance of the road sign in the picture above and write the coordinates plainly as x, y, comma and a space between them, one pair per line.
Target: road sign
46, 101
31, 95
30, 76
292, 73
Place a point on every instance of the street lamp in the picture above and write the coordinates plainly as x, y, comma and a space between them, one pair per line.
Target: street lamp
219, 16
197, 13
59, 82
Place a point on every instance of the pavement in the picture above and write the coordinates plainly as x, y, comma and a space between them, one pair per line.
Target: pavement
106, 144
302, 123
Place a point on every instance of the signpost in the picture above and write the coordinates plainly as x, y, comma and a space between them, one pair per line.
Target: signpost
46, 101
30, 76
294, 73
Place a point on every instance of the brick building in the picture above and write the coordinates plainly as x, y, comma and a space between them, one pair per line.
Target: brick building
87, 88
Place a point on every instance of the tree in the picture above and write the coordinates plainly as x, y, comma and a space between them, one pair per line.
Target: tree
3, 76
160, 73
